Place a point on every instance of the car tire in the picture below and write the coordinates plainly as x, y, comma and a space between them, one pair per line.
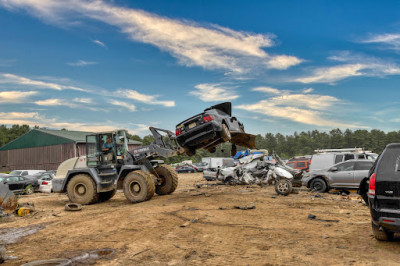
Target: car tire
82, 189
169, 180
381, 235
225, 133
283, 187
29, 190
138, 186
190, 151
318, 185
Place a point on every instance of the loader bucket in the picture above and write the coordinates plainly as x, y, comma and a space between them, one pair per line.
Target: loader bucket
244, 140
8, 201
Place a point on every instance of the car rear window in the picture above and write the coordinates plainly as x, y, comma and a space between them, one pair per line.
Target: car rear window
363, 165
301, 164
389, 165
290, 165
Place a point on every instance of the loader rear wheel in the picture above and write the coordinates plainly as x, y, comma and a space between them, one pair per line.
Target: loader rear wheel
82, 189
169, 180
226, 134
104, 196
138, 186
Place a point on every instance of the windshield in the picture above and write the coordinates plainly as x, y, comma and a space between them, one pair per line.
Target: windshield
15, 172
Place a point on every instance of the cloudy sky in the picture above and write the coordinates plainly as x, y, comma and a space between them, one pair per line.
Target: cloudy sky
285, 65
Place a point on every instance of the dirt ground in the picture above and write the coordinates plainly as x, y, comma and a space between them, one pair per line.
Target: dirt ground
199, 225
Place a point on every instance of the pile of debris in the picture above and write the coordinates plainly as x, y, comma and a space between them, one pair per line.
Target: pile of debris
254, 169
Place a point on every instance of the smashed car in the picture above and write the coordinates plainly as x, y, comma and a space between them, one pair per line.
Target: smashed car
254, 169
211, 128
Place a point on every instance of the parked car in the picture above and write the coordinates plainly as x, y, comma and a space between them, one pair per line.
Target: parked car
212, 127
210, 174
19, 184
201, 166
327, 158
25, 172
384, 193
45, 182
185, 169
300, 163
345, 175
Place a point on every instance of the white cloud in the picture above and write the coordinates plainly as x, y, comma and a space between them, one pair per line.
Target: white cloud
35, 119
211, 47
7, 78
100, 43
83, 100
332, 74
148, 99
307, 90
125, 105
353, 65
82, 63
52, 102
208, 92
15, 96
309, 109
269, 90
392, 40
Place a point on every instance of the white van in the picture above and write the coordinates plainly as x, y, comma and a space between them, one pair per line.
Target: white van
330, 157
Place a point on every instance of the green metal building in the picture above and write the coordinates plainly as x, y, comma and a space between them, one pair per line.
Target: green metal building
45, 149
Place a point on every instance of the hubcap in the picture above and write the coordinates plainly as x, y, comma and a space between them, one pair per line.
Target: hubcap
282, 187
135, 188
80, 189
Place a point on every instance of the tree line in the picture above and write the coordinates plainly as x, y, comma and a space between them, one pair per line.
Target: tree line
286, 146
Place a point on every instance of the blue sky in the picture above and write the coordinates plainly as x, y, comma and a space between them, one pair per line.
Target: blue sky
285, 65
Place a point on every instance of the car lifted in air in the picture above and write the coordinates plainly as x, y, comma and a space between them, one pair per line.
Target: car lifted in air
211, 128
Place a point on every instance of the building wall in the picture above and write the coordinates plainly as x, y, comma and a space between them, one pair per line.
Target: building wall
41, 158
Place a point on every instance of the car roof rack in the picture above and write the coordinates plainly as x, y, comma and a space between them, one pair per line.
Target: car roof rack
348, 150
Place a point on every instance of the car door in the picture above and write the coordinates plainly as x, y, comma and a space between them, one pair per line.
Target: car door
361, 170
13, 183
342, 175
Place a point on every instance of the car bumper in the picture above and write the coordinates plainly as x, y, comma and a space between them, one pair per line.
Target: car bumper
387, 218
45, 188
199, 134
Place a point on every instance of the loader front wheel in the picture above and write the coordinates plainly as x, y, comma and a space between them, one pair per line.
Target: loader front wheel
168, 180
104, 196
138, 186
82, 189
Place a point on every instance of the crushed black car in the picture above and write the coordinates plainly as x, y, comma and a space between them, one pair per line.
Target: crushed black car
211, 128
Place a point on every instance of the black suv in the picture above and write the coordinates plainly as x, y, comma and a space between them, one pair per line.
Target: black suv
384, 193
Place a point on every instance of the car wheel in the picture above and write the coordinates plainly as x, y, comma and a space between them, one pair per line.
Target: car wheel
318, 185
226, 134
381, 234
29, 190
283, 187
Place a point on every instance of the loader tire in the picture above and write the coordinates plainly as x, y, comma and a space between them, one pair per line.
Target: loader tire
169, 180
138, 186
225, 133
104, 196
82, 189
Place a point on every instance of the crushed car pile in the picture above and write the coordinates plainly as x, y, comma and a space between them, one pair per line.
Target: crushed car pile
254, 169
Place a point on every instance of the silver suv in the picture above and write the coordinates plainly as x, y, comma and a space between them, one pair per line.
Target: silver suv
345, 175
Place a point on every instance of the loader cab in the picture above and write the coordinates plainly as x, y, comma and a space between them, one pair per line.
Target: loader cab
106, 149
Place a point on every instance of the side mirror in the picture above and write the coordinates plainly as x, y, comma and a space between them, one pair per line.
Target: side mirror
333, 169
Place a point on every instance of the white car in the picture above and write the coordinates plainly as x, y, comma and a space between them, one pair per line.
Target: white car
45, 183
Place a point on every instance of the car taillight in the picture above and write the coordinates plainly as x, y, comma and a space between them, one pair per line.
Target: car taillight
371, 189
45, 183
178, 132
208, 118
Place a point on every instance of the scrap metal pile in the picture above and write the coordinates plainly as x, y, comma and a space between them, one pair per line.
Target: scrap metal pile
254, 169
